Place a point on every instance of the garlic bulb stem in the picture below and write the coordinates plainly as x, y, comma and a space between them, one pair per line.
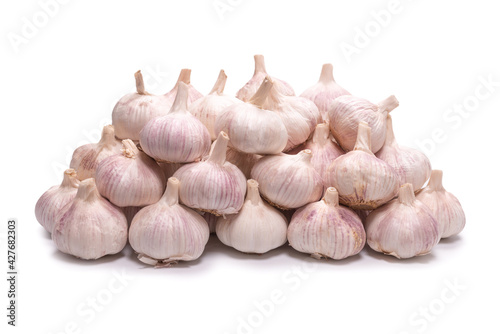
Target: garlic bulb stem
108, 139
305, 155
406, 194
322, 134
129, 150
253, 192
261, 95
87, 191
184, 76
218, 155
331, 197
363, 140
390, 139
139, 83
219, 85
326, 73
171, 195
436, 180
389, 104
260, 65
70, 179
180, 102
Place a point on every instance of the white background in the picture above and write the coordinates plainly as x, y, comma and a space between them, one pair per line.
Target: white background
58, 88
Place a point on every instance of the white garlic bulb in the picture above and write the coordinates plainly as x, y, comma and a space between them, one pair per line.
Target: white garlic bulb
347, 111
167, 232
53, 200
193, 94
87, 157
327, 229
177, 136
251, 128
257, 228
324, 150
90, 227
325, 91
362, 180
411, 164
131, 178
445, 206
252, 86
288, 181
207, 108
213, 185
299, 115
134, 110
404, 227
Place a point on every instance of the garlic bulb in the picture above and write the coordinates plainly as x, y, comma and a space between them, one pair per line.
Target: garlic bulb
327, 229
251, 128
403, 228
288, 181
134, 110
87, 157
324, 150
444, 206
213, 185
362, 180
193, 94
252, 86
257, 228
347, 111
177, 136
167, 232
131, 178
53, 200
411, 164
299, 115
90, 227
244, 161
325, 91
207, 108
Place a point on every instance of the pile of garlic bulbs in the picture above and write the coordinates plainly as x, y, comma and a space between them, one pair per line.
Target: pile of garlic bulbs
322, 171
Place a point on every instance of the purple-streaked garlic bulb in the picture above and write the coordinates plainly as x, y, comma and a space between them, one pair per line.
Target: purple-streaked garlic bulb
347, 111
87, 157
167, 232
299, 115
252, 86
207, 108
412, 165
326, 229
90, 227
213, 185
177, 136
324, 150
257, 228
134, 110
288, 181
53, 200
444, 206
404, 227
251, 128
325, 91
362, 180
131, 178
193, 94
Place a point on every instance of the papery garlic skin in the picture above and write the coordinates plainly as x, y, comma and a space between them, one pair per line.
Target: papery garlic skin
444, 206
213, 185
178, 136
404, 227
53, 200
167, 232
193, 94
252, 86
257, 228
327, 229
206, 109
251, 128
131, 178
90, 227
412, 165
324, 150
325, 91
362, 180
87, 157
347, 111
299, 115
134, 110
288, 181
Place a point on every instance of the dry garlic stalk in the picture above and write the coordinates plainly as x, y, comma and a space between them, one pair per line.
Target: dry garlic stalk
193, 94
